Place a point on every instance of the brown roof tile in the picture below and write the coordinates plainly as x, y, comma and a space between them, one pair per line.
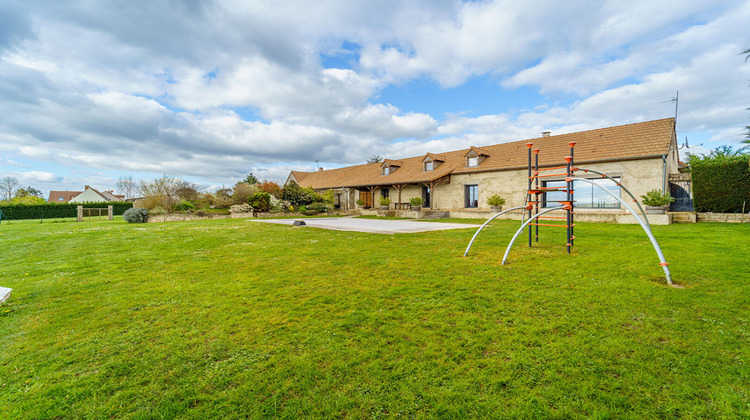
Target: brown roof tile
625, 142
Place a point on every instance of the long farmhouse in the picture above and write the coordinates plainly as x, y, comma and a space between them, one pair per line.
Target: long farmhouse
641, 156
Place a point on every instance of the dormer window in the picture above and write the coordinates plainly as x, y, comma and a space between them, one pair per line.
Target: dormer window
430, 162
389, 166
475, 156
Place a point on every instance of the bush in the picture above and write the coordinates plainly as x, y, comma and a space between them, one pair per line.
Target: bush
721, 185
272, 188
261, 201
360, 202
384, 201
655, 198
55, 210
297, 195
243, 193
495, 200
135, 215
185, 205
416, 201
320, 207
222, 201
302, 209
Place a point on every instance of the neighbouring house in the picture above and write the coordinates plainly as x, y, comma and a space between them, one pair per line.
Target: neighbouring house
88, 195
640, 156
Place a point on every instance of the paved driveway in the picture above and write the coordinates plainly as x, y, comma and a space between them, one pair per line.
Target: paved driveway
371, 225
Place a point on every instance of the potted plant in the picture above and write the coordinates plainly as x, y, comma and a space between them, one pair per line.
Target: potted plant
416, 203
496, 203
384, 203
360, 202
656, 202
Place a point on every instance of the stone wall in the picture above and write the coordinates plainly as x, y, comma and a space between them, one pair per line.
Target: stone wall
723, 217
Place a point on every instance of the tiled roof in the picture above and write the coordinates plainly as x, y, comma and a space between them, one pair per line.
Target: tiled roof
625, 142
54, 196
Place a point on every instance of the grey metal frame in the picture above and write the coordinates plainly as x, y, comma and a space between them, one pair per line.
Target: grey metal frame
486, 223
644, 225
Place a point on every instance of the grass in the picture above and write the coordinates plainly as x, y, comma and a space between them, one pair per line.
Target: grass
235, 319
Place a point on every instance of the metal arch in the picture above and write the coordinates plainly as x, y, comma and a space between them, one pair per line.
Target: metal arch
523, 226
643, 213
485, 224
645, 227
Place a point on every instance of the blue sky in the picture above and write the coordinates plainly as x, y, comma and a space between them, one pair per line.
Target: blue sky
212, 90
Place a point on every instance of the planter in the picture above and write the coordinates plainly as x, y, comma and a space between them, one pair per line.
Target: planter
385, 207
656, 209
496, 208
416, 208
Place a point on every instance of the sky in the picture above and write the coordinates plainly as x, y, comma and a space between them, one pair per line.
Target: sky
209, 91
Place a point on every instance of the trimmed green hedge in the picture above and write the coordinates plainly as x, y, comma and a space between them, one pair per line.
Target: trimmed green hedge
55, 210
721, 186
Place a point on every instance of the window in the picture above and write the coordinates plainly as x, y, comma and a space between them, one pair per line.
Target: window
586, 196
60, 198
386, 170
472, 161
472, 196
385, 192
428, 166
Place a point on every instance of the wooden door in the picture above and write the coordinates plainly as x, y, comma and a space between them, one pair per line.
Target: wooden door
366, 196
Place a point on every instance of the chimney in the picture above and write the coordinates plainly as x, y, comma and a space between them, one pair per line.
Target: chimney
320, 169
86, 187
545, 133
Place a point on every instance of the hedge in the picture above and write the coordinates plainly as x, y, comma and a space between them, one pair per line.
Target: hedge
721, 186
55, 210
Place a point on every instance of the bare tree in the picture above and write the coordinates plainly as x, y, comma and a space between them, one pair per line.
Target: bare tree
8, 186
375, 159
161, 192
126, 186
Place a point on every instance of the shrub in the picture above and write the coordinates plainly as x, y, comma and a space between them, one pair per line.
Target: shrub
135, 215
655, 198
272, 188
302, 209
320, 207
384, 201
243, 192
495, 200
720, 185
55, 210
360, 202
277, 205
327, 197
185, 205
222, 201
416, 201
297, 195
261, 201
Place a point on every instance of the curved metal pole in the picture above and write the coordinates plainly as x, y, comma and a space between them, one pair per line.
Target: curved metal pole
531, 219
643, 212
485, 224
645, 227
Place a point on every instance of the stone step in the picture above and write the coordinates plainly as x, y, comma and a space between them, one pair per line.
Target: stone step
683, 217
432, 215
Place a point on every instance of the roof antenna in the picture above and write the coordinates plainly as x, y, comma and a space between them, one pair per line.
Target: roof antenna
676, 101
688, 146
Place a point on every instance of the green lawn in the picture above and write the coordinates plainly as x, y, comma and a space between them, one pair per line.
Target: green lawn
236, 319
